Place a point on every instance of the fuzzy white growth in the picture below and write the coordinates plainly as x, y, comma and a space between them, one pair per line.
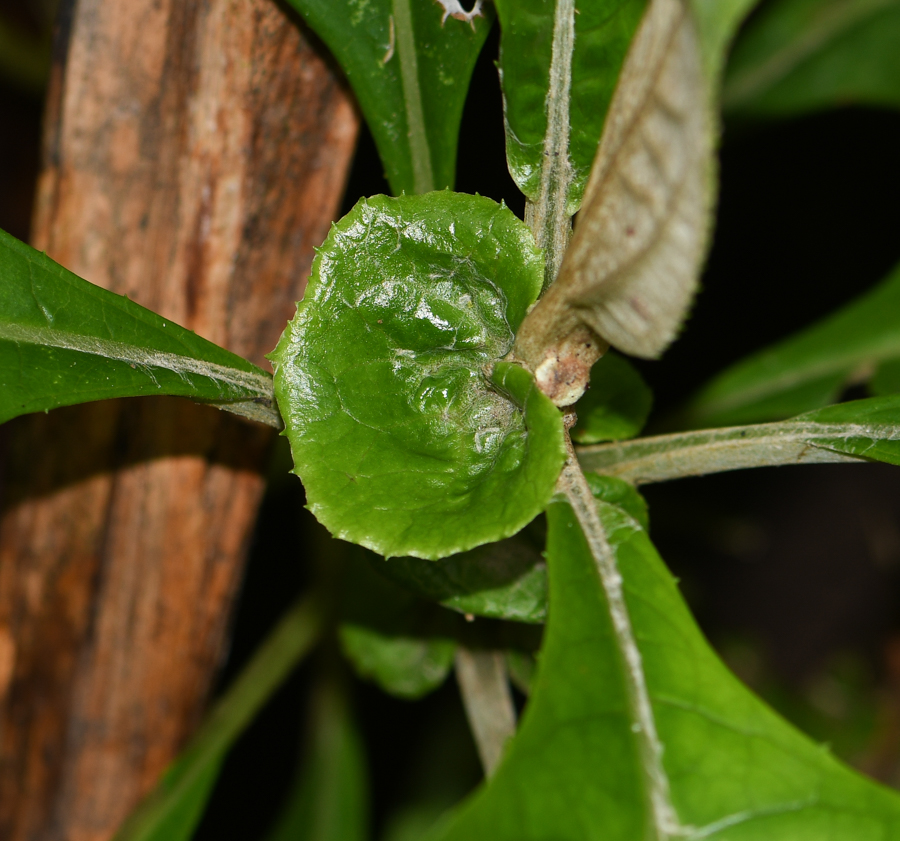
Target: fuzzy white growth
454, 9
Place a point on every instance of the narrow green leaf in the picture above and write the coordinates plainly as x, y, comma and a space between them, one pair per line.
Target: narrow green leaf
602, 31
728, 767
631, 270
799, 56
622, 494
404, 441
503, 580
328, 800
616, 404
807, 370
858, 430
886, 379
173, 809
391, 637
65, 341
410, 71
867, 429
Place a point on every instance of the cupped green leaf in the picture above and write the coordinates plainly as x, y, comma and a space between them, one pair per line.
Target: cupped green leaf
391, 637
727, 768
798, 56
65, 341
503, 580
602, 31
404, 442
807, 370
616, 404
409, 65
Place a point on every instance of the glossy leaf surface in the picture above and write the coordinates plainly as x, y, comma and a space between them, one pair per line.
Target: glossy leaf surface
732, 768
807, 370
410, 71
391, 637
65, 341
616, 404
799, 56
404, 443
602, 32
328, 800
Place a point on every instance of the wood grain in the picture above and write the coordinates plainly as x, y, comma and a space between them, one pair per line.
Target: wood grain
195, 153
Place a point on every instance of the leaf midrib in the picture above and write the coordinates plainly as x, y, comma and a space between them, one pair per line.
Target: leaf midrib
423, 171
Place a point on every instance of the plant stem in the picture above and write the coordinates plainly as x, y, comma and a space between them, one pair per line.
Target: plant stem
664, 457
574, 487
423, 174
548, 217
484, 686
292, 638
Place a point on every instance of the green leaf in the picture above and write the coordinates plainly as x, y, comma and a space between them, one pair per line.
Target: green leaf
504, 580
402, 643
868, 429
807, 370
410, 71
886, 379
799, 56
65, 341
328, 800
632, 267
174, 808
602, 32
622, 494
861, 429
616, 404
403, 440
727, 768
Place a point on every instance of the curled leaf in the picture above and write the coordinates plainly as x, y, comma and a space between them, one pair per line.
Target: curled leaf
633, 263
410, 435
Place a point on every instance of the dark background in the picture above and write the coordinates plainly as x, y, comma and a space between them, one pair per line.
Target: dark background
792, 572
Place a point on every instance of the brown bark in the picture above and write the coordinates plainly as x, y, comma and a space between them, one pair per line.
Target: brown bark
195, 153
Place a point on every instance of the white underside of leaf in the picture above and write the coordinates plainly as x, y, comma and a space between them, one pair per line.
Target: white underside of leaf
635, 257
243, 385
665, 820
634, 260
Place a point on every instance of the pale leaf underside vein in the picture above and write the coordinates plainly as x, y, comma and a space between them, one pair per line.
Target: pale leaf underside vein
245, 393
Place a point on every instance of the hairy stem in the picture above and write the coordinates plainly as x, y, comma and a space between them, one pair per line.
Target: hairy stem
484, 686
548, 217
574, 487
423, 174
664, 457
